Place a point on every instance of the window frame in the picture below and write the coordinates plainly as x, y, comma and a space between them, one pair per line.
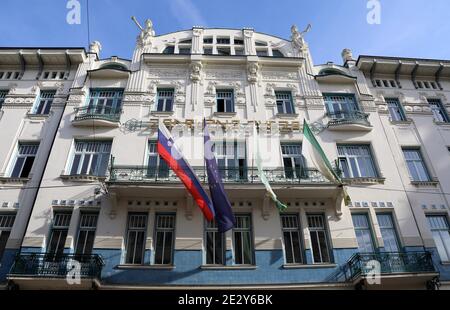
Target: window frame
229, 97
84, 153
18, 156
400, 113
368, 229
214, 230
161, 168
446, 246
415, 161
336, 107
104, 95
296, 173
7, 220
239, 173
348, 169
136, 230
165, 98
394, 228
284, 103
438, 110
44, 102
3, 94
252, 241
326, 232
87, 229
299, 231
173, 230
62, 229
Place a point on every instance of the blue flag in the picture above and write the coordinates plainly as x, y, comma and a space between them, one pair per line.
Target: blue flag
224, 215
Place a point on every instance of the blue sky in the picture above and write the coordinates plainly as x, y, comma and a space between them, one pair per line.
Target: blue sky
409, 28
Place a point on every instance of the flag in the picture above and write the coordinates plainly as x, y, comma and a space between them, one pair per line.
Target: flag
224, 215
262, 175
313, 153
174, 158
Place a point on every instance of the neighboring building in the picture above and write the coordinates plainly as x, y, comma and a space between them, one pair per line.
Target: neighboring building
109, 202
34, 83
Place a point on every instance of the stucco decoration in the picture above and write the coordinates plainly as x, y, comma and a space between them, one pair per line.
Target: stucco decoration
252, 72
95, 47
196, 71
297, 37
147, 33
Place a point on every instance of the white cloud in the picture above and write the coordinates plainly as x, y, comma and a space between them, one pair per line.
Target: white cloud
187, 14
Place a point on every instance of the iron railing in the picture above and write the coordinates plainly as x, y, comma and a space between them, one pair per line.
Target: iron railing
348, 117
56, 265
363, 264
161, 174
100, 112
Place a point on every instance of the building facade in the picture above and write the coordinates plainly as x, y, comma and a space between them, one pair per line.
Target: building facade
109, 212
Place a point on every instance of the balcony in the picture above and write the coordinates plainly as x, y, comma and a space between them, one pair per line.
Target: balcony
417, 267
349, 120
41, 269
99, 116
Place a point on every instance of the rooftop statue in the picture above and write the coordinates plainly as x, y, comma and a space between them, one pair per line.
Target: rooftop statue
298, 37
146, 33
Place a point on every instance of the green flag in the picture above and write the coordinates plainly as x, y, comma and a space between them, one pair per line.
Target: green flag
262, 175
313, 153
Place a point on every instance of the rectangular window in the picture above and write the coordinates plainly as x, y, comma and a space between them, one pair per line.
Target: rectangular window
441, 234
231, 159
439, 113
165, 100
243, 240
24, 160
91, 158
356, 161
262, 53
284, 102
225, 101
416, 166
223, 40
395, 110
156, 166
184, 50
136, 234
105, 102
340, 106
239, 51
388, 232
86, 233
207, 51
44, 102
164, 239
214, 244
238, 41
3, 94
223, 51
293, 161
207, 40
292, 238
58, 235
319, 239
6, 224
363, 233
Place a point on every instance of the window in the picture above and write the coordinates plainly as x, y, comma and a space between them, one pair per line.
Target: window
259, 43
6, 224
169, 50
239, 51
25, 158
91, 158
417, 169
165, 100
439, 113
215, 244
242, 240
58, 234
157, 167
277, 53
238, 41
231, 159
225, 102
388, 232
136, 235
293, 161
291, 237
395, 110
340, 106
284, 102
441, 234
164, 239
184, 50
207, 51
207, 40
363, 233
223, 40
262, 53
319, 239
356, 161
223, 51
86, 233
105, 102
44, 103
3, 94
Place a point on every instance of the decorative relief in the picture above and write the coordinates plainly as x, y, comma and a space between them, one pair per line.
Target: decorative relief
252, 72
223, 74
269, 94
239, 93
196, 71
279, 75
167, 73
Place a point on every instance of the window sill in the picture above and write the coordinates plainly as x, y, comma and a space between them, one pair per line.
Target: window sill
444, 124
162, 113
311, 266
406, 122
140, 267
364, 181
287, 115
14, 180
82, 178
432, 183
225, 114
37, 116
231, 267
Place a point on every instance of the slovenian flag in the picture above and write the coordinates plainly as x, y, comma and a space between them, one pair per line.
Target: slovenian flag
174, 158
224, 215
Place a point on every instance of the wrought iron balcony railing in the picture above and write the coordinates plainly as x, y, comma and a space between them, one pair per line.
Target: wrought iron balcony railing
348, 117
161, 174
56, 265
362, 264
100, 113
